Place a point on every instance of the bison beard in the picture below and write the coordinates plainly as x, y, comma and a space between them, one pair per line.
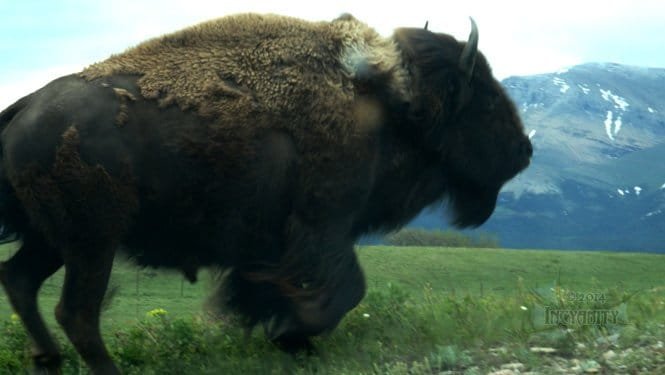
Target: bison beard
259, 146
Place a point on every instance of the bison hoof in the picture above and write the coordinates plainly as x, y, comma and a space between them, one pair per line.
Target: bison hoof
295, 345
47, 364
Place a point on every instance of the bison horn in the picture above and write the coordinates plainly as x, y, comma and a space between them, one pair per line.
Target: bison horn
426, 24
468, 58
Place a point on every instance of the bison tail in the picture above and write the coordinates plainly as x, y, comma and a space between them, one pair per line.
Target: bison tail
8, 232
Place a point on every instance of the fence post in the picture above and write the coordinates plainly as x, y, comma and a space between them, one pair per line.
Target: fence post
137, 293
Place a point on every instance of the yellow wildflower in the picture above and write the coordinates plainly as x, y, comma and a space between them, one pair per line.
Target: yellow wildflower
156, 312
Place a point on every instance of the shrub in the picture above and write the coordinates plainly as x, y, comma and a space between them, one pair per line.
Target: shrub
447, 238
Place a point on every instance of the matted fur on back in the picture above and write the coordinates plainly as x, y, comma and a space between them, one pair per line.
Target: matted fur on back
248, 64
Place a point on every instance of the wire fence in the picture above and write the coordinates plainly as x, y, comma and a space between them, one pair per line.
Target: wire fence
135, 285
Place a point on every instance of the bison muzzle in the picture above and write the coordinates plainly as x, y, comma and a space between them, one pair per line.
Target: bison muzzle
260, 146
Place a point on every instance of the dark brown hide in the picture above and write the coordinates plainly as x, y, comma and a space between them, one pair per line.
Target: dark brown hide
259, 146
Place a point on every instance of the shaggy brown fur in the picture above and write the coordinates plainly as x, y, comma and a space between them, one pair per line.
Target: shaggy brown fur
73, 198
267, 63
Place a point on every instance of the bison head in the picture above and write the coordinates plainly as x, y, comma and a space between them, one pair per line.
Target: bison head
460, 116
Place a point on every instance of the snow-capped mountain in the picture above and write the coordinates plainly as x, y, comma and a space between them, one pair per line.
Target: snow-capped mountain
597, 178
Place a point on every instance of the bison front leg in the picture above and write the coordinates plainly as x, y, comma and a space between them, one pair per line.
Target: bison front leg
86, 278
321, 310
22, 276
323, 282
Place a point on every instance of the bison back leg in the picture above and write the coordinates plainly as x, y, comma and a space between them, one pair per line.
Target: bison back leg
22, 276
87, 272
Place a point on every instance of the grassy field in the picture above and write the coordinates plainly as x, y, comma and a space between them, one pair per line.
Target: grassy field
428, 310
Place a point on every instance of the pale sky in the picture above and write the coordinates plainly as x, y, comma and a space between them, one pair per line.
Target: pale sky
43, 39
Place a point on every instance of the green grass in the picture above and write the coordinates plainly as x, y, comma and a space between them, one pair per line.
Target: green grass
427, 310
497, 270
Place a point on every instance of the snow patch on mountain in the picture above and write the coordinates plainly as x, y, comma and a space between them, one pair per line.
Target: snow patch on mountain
619, 102
653, 213
585, 89
609, 121
608, 125
617, 125
624, 192
526, 106
563, 86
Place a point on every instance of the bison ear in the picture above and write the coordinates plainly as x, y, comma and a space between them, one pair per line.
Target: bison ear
467, 59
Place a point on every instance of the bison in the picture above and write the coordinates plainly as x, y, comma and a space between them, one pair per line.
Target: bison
259, 145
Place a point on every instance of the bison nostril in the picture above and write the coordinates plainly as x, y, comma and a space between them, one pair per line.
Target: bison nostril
526, 149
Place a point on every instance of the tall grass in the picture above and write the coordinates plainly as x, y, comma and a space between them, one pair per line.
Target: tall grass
427, 310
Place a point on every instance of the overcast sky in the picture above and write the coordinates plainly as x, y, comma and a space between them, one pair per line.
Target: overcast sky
41, 40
